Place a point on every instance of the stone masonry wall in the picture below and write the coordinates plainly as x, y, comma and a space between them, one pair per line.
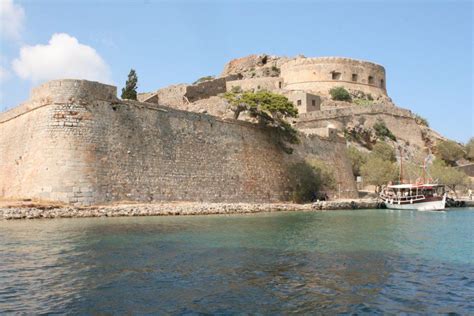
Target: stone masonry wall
268, 83
206, 89
39, 157
316, 75
67, 90
100, 151
399, 121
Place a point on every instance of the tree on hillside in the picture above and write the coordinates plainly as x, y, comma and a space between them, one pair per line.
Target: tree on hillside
384, 151
269, 109
378, 171
130, 90
357, 158
450, 151
449, 176
470, 149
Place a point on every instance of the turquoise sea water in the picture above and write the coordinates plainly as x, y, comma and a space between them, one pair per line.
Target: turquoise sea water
369, 261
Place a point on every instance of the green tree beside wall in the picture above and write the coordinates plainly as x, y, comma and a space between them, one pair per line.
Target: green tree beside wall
129, 92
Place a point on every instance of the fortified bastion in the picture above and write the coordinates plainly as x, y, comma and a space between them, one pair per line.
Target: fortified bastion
287, 76
74, 141
319, 75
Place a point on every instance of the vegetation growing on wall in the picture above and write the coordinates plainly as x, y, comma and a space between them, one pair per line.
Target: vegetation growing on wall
470, 149
450, 152
130, 90
360, 135
361, 98
202, 79
382, 131
421, 120
363, 102
309, 178
269, 109
340, 94
275, 71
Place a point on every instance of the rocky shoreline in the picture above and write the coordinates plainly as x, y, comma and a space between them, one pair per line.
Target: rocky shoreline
180, 208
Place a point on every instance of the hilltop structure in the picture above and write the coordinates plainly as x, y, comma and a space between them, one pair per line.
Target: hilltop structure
75, 141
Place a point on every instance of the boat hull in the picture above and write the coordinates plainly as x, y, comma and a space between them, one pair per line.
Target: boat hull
420, 206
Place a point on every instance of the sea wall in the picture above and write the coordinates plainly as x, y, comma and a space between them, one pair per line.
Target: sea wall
88, 152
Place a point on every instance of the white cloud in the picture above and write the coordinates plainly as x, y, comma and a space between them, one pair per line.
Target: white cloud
62, 58
12, 17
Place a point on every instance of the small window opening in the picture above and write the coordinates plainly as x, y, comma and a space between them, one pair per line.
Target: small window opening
371, 80
354, 77
298, 102
336, 75
382, 83
313, 102
279, 85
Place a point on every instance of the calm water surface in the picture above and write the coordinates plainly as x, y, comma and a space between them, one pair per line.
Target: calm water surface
374, 261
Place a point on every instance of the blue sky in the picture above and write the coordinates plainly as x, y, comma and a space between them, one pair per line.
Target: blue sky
425, 46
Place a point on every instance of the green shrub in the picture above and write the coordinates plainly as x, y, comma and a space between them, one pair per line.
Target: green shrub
363, 102
276, 70
340, 94
470, 149
202, 79
357, 158
421, 120
384, 151
450, 151
378, 171
382, 131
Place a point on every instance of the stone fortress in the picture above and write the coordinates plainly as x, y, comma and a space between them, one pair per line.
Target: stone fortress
74, 141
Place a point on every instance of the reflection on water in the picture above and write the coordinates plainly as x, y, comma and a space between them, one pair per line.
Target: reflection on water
334, 262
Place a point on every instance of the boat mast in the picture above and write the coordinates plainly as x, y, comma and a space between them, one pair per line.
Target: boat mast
401, 164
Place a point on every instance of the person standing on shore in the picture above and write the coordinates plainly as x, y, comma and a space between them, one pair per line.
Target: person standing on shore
469, 192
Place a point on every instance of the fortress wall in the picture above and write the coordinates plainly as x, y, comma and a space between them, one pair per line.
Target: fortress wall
333, 151
39, 157
155, 155
98, 151
206, 89
318, 75
172, 96
268, 83
401, 122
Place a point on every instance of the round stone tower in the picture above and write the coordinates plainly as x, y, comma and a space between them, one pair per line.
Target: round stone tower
320, 74
66, 90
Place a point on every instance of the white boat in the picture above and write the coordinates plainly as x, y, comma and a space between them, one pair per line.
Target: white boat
421, 197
